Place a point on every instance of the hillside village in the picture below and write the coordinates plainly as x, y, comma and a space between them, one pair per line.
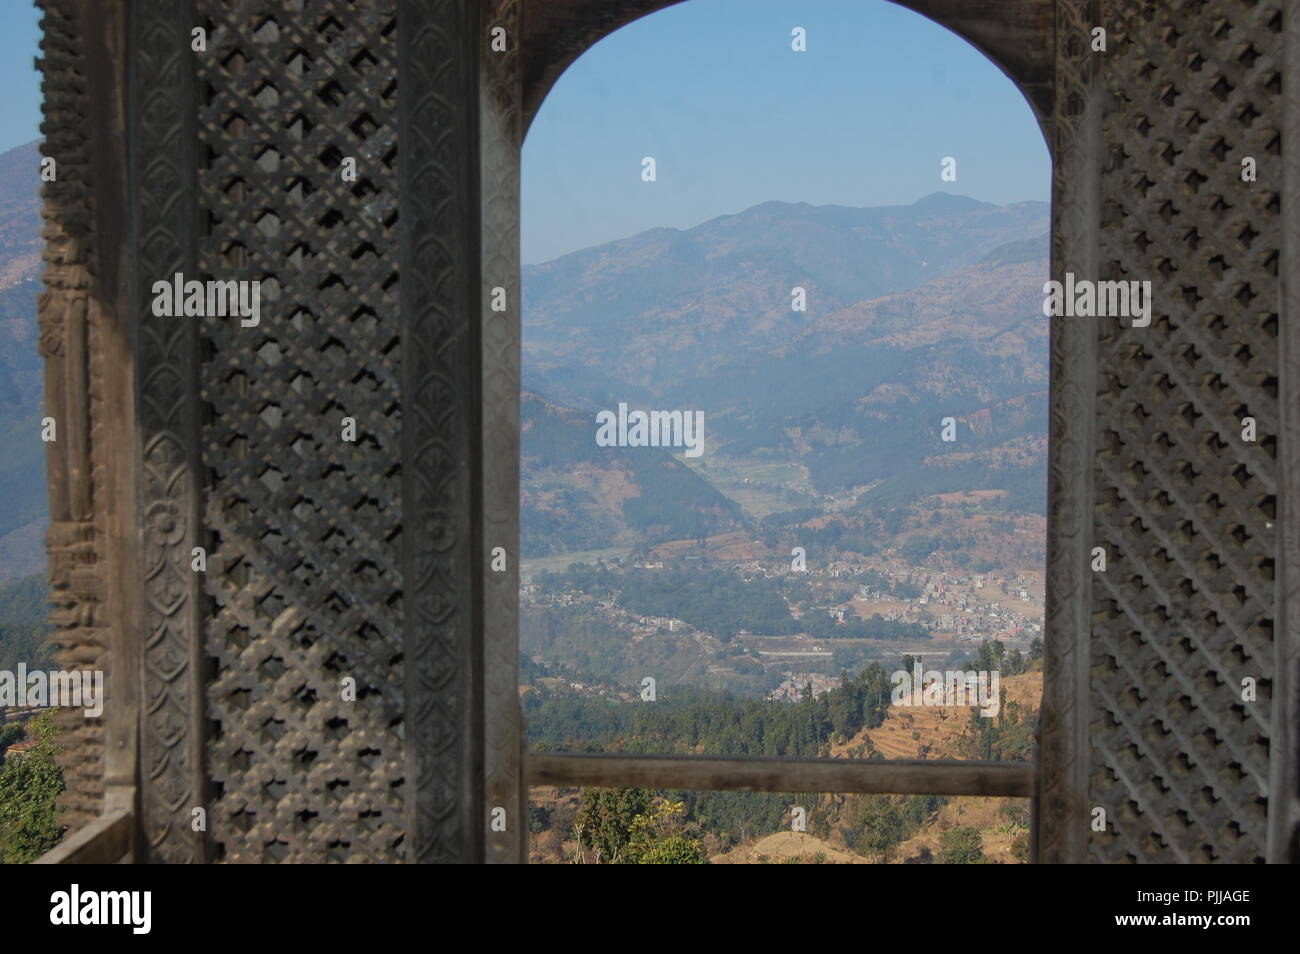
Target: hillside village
946, 608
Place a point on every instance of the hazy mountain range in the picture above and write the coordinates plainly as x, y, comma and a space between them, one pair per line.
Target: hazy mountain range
669, 305
914, 313
23, 514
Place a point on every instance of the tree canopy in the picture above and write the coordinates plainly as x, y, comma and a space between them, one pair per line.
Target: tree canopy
30, 785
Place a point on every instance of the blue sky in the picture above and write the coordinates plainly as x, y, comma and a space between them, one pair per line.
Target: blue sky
733, 117
20, 108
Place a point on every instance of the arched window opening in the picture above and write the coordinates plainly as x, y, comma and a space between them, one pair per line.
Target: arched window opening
784, 424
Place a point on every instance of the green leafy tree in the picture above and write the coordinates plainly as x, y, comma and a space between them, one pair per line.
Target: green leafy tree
657, 838
1020, 849
961, 846
604, 821
30, 785
880, 826
627, 826
1007, 737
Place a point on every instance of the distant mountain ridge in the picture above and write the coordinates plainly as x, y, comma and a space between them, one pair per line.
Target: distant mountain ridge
23, 516
915, 314
20, 213
671, 303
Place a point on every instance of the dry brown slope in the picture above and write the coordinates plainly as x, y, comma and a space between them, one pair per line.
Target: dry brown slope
941, 729
783, 846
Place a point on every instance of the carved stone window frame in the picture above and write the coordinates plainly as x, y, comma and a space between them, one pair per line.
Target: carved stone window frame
1041, 46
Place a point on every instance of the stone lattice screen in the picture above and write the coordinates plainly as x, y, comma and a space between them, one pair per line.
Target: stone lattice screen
315, 706
1184, 507
305, 526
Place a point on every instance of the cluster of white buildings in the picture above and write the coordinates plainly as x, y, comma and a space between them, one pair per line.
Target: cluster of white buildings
792, 689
